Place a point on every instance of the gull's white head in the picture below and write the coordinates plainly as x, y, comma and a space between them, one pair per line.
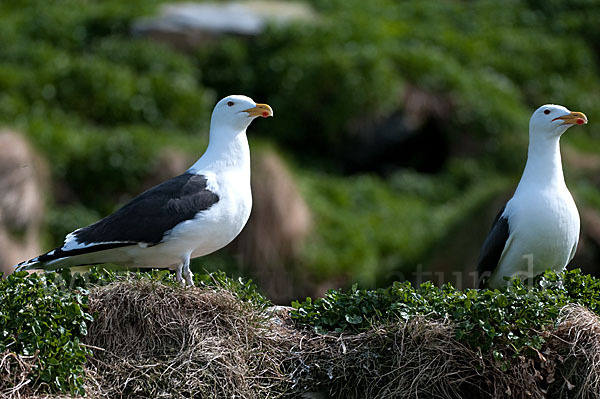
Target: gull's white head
234, 113
552, 120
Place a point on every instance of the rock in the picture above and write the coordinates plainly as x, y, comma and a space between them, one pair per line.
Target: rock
188, 25
22, 184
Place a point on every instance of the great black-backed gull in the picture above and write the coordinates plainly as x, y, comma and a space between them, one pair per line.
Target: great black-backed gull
188, 216
538, 228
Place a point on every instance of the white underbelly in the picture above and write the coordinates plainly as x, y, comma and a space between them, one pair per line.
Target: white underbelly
542, 236
209, 231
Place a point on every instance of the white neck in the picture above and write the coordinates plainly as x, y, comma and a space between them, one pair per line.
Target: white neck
224, 151
544, 165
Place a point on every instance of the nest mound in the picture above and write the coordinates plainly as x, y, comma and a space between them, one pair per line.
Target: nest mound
422, 359
164, 342
152, 340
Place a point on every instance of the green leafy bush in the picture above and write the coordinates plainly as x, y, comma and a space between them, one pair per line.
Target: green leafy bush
42, 319
101, 87
243, 289
492, 64
376, 229
98, 103
509, 321
319, 78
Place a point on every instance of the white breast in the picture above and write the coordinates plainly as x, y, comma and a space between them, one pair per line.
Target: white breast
542, 233
224, 220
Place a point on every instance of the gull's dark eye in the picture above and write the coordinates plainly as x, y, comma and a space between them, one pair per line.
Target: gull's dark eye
546, 111
230, 103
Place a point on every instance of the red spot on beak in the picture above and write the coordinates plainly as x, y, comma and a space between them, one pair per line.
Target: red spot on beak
265, 114
580, 121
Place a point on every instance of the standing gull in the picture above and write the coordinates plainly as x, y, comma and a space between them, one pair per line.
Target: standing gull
538, 228
190, 215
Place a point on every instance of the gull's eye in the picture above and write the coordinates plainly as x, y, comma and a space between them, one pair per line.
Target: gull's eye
546, 111
230, 103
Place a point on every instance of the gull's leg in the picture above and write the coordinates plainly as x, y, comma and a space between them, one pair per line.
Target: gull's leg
187, 273
178, 273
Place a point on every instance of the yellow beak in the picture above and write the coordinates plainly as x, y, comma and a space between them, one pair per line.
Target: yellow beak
260, 110
574, 118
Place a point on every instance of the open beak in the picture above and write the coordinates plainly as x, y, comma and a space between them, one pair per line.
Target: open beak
574, 118
260, 110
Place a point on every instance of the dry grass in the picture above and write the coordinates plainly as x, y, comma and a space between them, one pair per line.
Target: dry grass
574, 351
155, 341
162, 342
418, 359
14, 374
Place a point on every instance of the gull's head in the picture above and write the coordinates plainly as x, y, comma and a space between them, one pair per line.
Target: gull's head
234, 113
552, 120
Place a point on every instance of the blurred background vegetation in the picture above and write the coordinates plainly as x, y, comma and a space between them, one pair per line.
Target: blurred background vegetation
403, 125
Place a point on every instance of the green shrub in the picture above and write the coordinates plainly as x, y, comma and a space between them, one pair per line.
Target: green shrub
98, 103
375, 229
318, 79
508, 321
40, 318
493, 64
84, 61
103, 88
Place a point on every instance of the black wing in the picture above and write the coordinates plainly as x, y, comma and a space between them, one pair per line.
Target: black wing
147, 217
493, 245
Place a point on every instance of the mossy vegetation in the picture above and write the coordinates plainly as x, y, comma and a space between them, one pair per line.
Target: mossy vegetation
42, 325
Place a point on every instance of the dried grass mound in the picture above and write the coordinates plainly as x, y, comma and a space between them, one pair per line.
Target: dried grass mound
165, 342
574, 349
418, 359
422, 359
157, 341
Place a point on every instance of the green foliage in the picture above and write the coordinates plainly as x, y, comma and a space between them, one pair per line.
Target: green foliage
45, 316
41, 319
83, 61
508, 321
317, 76
97, 102
378, 229
243, 289
493, 63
